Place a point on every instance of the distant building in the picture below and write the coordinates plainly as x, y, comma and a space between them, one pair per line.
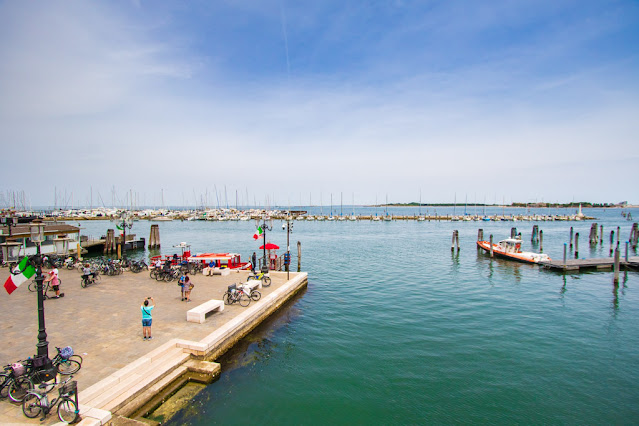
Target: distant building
15, 240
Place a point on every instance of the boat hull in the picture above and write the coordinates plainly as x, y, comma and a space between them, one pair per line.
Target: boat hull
524, 256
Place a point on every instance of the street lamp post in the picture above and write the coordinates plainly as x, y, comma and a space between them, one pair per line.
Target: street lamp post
287, 257
123, 224
37, 236
265, 228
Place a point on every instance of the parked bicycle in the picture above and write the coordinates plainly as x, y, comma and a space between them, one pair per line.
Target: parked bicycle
266, 280
66, 362
167, 275
240, 295
138, 266
36, 402
14, 383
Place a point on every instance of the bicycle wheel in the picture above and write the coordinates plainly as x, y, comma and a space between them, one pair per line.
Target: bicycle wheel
83, 283
68, 366
256, 295
67, 410
159, 276
266, 281
169, 277
31, 405
228, 300
33, 286
19, 388
245, 299
76, 358
4, 385
153, 274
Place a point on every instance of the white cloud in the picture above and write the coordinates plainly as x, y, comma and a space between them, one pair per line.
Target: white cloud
108, 99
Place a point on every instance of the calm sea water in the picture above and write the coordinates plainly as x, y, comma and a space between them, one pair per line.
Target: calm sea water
394, 329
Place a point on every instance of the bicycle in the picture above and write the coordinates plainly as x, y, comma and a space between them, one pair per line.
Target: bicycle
93, 277
240, 295
66, 362
37, 401
14, 382
266, 280
138, 266
167, 276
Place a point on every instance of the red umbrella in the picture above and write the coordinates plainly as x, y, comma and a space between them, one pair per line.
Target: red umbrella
270, 246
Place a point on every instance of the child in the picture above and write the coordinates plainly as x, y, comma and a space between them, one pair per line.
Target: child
188, 286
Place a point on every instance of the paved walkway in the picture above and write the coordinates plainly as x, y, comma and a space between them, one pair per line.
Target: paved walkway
103, 322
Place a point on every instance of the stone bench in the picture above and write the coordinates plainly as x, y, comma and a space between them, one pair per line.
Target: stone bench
216, 271
253, 284
198, 314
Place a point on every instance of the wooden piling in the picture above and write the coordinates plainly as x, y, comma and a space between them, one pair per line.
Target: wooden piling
577, 245
109, 243
513, 232
592, 238
480, 235
571, 235
491, 245
616, 265
612, 238
565, 251
634, 235
618, 234
299, 256
154, 237
601, 234
535, 233
455, 240
627, 244
541, 241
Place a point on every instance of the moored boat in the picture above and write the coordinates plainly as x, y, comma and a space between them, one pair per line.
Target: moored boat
510, 248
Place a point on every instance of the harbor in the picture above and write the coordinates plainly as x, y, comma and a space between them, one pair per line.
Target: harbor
468, 306
121, 373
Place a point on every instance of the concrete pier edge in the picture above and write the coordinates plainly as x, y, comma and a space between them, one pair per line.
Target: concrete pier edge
125, 391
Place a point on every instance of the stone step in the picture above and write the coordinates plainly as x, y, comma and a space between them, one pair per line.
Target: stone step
131, 384
133, 367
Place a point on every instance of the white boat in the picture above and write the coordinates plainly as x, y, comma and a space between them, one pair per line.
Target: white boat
510, 248
161, 219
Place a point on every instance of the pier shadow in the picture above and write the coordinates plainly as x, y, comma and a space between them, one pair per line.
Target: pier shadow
257, 346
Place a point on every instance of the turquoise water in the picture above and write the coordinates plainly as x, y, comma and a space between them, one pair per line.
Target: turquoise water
394, 329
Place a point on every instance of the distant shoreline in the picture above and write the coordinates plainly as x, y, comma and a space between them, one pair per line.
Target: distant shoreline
554, 206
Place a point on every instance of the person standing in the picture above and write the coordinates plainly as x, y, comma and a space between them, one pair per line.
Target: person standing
55, 281
254, 261
188, 286
146, 317
183, 279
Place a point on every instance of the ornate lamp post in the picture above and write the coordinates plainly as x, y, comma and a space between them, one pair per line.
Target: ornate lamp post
265, 228
122, 225
9, 221
287, 257
37, 236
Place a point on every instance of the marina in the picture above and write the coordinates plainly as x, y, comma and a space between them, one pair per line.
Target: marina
503, 322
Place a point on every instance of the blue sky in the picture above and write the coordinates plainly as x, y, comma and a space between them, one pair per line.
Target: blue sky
498, 100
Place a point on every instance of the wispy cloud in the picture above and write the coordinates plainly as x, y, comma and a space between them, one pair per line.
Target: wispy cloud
380, 99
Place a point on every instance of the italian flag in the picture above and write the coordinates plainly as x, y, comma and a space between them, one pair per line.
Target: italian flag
21, 273
258, 233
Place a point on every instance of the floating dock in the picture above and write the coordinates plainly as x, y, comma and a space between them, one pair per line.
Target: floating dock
595, 263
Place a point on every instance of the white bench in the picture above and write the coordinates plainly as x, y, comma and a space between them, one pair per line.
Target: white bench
216, 271
253, 284
198, 314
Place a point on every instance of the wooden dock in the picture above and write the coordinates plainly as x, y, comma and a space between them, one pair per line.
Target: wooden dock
596, 263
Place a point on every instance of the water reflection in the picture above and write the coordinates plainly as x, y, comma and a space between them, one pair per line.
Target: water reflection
258, 346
